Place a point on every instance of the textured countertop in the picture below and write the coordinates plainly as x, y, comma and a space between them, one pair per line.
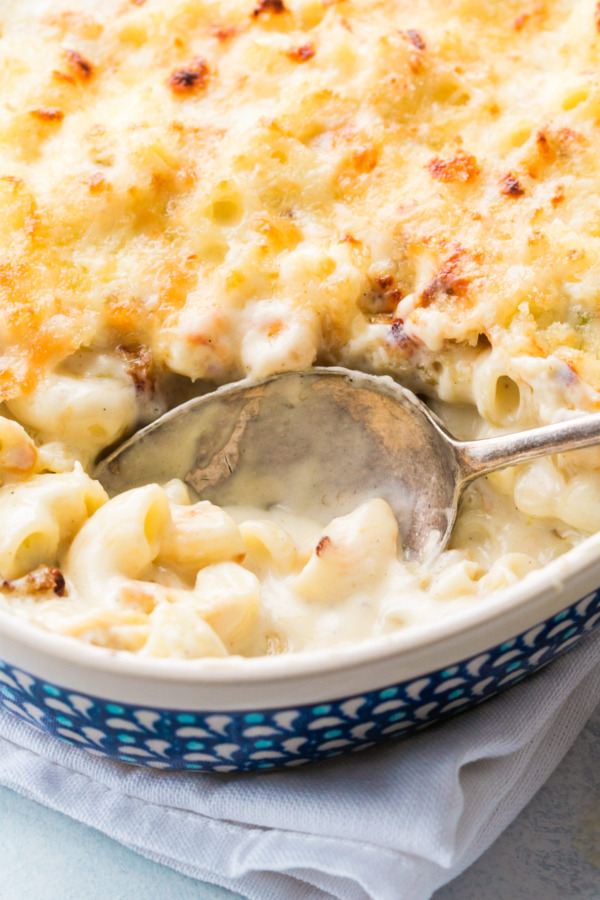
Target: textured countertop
552, 850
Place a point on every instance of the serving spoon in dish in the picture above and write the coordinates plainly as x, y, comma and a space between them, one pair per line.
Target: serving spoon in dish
322, 441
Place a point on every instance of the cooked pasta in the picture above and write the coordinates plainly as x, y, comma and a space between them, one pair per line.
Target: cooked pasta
196, 190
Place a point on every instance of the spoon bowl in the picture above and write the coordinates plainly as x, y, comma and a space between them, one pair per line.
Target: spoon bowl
322, 441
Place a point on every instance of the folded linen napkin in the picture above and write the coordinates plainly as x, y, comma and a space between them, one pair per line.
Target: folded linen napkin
395, 822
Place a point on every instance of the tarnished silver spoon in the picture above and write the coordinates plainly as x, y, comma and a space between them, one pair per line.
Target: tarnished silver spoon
322, 441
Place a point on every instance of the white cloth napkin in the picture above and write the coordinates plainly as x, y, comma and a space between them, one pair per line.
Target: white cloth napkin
395, 822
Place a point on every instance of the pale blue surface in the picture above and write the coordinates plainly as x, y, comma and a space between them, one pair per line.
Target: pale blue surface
46, 856
552, 850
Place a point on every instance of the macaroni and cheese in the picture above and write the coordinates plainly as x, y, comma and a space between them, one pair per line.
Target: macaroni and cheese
196, 190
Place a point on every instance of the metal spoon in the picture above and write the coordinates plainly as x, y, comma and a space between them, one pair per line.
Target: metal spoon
322, 441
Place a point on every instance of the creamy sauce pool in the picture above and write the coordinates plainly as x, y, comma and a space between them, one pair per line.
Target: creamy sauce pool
313, 606
156, 574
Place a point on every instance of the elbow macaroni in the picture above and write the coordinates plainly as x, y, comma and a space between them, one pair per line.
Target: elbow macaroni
357, 183
88, 408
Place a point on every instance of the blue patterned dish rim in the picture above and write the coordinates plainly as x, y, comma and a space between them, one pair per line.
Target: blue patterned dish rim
273, 738
231, 714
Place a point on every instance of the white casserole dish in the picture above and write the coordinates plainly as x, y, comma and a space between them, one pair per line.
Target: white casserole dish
240, 714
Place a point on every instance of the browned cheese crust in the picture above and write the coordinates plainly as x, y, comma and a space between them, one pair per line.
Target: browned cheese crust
168, 167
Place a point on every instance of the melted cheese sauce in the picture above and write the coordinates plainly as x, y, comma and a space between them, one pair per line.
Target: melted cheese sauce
323, 604
191, 192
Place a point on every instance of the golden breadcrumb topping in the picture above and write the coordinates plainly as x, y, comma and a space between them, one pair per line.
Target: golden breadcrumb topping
197, 177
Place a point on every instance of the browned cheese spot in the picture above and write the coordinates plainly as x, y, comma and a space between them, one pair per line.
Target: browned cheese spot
569, 136
415, 38
365, 159
379, 303
543, 146
545, 152
268, 6
192, 78
552, 144
46, 578
534, 16
449, 282
302, 54
52, 579
558, 196
224, 32
322, 545
63, 76
462, 168
80, 67
48, 114
521, 20
139, 366
510, 186
97, 183
400, 339
597, 16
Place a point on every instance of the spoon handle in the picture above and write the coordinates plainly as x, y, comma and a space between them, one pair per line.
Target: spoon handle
480, 457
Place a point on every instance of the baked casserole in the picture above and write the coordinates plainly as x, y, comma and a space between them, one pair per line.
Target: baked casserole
192, 192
